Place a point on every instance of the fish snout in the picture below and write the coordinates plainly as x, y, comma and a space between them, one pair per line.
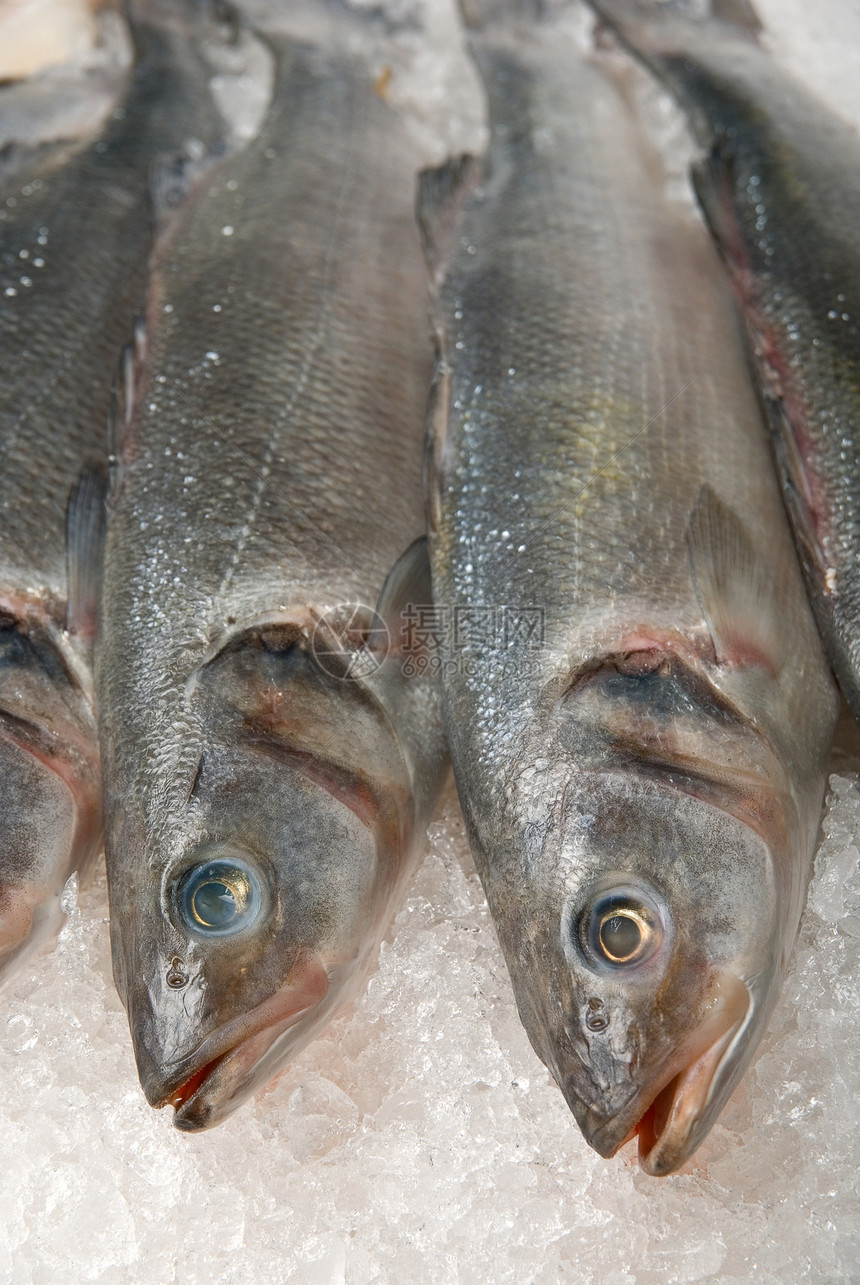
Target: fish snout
603, 1084
208, 1083
673, 1108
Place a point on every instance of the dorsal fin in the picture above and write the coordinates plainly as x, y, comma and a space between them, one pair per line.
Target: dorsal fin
743, 597
124, 390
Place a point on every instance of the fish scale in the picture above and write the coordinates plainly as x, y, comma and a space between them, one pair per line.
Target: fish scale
645, 765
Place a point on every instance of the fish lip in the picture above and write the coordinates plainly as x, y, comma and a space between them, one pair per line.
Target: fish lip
688, 1076
187, 1084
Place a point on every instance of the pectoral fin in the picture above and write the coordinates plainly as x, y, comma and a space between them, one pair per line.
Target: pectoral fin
744, 599
405, 595
85, 535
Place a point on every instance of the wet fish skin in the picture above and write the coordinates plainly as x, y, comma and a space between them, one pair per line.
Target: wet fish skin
270, 475
780, 189
76, 227
643, 736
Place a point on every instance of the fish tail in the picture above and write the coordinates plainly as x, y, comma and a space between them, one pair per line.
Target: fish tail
170, 110
649, 27
329, 23
184, 17
172, 38
483, 15
739, 14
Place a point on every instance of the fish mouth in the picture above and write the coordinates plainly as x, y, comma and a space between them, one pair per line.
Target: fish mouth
673, 1119
209, 1084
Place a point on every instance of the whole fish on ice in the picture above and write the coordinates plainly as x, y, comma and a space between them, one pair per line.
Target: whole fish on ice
269, 763
75, 233
638, 707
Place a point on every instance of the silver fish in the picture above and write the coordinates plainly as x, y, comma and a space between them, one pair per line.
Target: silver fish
75, 234
270, 760
638, 707
780, 188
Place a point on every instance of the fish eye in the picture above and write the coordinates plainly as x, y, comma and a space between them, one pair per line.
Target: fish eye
620, 928
220, 897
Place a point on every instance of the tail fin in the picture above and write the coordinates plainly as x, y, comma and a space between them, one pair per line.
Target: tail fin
485, 15
651, 28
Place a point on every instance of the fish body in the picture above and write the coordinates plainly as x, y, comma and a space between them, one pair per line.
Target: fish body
269, 481
75, 232
780, 188
638, 708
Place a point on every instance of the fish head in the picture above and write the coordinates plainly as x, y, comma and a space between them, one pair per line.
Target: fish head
49, 788
646, 915
264, 892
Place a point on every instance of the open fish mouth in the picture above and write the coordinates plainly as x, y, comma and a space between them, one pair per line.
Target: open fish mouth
672, 1120
209, 1084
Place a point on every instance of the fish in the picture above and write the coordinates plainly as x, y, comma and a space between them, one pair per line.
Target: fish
76, 227
638, 707
271, 735
779, 185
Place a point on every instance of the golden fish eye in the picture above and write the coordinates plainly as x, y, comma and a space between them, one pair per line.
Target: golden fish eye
220, 897
218, 901
624, 934
623, 927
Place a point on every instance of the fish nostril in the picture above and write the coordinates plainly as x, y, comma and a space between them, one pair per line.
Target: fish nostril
596, 1017
176, 975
